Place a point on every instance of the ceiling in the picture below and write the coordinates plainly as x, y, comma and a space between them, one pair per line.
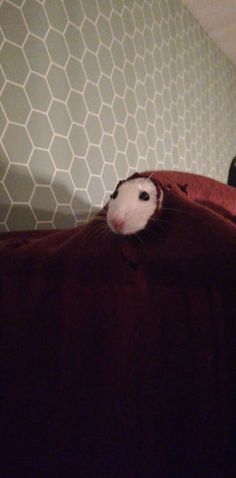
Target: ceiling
218, 18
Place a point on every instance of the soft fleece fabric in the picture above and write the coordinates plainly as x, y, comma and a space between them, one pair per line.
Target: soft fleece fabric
118, 354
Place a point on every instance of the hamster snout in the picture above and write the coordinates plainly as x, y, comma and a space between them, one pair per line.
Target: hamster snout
117, 223
132, 205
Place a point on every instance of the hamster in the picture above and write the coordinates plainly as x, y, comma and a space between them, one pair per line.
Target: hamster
132, 205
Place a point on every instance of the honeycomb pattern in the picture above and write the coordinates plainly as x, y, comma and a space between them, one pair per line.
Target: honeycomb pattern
94, 90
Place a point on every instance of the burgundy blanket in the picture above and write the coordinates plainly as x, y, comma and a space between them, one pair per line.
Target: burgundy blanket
118, 354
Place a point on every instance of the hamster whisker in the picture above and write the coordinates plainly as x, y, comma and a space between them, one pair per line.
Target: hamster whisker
149, 177
164, 221
155, 233
177, 210
98, 223
147, 232
100, 219
173, 224
100, 215
100, 226
157, 221
102, 233
139, 238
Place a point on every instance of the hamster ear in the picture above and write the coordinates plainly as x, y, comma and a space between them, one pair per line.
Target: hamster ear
119, 184
134, 176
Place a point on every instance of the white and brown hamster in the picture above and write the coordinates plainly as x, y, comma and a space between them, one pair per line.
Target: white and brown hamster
132, 205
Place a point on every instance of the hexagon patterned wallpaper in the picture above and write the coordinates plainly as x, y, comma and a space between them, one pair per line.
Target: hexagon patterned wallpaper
92, 90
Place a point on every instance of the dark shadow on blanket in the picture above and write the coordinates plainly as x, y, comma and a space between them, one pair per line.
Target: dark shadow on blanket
219, 209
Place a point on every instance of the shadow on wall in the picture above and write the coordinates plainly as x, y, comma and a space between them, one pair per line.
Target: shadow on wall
24, 206
232, 173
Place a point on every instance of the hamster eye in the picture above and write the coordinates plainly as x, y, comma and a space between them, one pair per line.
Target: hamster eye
144, 196
114, 195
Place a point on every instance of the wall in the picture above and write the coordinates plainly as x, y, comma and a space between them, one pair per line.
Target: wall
92, 90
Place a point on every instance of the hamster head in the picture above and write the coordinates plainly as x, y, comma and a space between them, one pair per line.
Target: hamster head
132, 205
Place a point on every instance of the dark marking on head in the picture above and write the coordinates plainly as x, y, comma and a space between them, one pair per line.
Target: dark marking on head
183, 187
114, 195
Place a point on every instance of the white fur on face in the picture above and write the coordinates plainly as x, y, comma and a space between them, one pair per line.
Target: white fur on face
129, 208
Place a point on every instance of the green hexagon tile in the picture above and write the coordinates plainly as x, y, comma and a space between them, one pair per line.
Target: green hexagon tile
92, 90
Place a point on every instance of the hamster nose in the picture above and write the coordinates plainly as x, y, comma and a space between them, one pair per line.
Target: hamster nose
118, 223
